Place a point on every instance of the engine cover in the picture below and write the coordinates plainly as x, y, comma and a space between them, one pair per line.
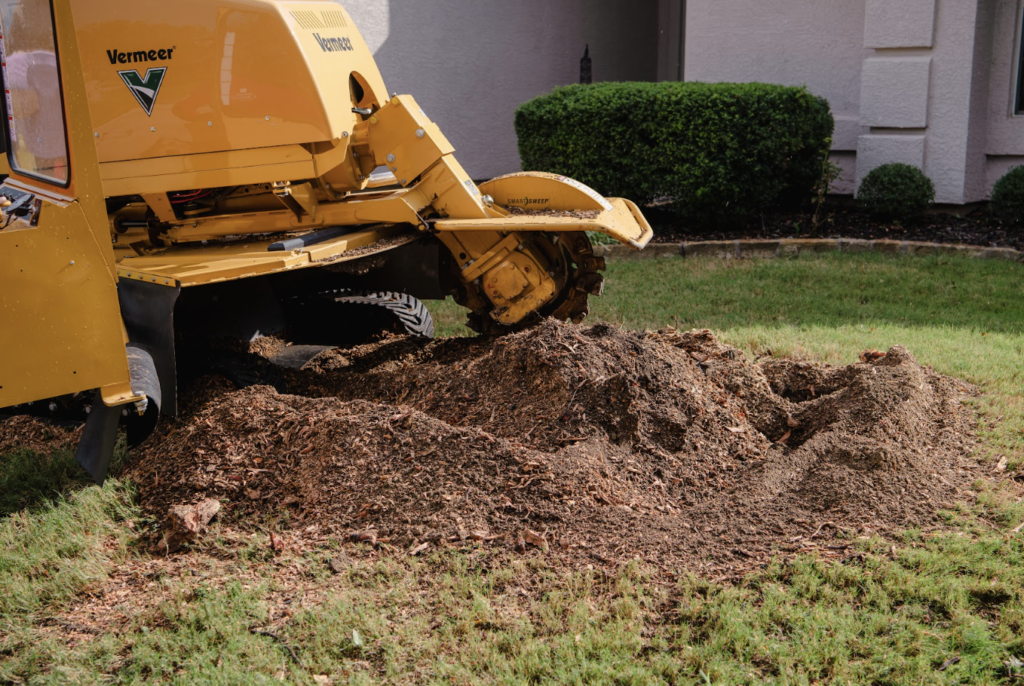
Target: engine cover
192, 77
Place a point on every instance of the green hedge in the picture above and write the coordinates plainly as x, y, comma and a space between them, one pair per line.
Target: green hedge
1008, 196
718, 151
896, 191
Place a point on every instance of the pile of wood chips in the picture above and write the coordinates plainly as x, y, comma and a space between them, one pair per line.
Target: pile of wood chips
584, 444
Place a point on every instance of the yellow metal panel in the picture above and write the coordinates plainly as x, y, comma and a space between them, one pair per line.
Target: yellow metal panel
214, 161
455, 194
624, 222
543, 191
333, 50
60, 324
405, 140
195, 266
236, 168
206, 179
238, 74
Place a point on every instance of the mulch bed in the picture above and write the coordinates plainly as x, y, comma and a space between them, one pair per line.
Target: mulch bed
841, 220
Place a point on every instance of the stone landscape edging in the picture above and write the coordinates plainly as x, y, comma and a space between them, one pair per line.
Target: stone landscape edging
787, 247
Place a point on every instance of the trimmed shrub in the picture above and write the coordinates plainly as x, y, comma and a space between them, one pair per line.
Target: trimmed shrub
1008, 196
717, 151
896, 191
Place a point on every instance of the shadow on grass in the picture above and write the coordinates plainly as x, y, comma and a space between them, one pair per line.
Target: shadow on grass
31, 480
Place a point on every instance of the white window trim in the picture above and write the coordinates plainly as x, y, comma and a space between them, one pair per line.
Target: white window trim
1016, 87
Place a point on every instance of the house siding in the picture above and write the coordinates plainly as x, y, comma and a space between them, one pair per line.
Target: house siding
1004, 147
925, 82
819, 45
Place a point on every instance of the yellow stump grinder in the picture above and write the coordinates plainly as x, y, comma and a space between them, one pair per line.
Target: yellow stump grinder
187, 172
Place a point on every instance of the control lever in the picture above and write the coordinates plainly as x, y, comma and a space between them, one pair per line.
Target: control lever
17, 206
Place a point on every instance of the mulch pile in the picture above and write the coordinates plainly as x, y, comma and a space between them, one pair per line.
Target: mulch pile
589, 443
38, 435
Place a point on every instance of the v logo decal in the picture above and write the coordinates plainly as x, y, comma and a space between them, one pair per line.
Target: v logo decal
145, 89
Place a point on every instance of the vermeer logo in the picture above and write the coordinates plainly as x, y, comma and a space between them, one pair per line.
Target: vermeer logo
333, 44
145, 89
116, 57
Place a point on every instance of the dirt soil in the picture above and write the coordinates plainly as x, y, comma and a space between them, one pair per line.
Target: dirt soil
588, 445
840, 220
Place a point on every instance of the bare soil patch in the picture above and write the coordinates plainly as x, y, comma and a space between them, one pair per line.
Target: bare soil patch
591, 444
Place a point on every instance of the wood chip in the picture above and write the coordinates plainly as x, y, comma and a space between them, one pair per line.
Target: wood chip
871, 355
185, 523
535, 539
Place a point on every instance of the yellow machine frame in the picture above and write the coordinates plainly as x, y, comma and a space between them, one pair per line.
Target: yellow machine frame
60, 325
192, 156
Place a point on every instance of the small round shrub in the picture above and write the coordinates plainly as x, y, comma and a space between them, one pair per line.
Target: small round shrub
1008, 196
896, 191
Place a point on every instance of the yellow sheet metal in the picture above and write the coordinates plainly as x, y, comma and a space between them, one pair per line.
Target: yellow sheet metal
624, 222
60, 325
195, 266
543, 191
229, 75
233, 168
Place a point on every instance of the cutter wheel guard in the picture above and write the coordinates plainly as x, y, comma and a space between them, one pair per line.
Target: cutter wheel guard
181, 173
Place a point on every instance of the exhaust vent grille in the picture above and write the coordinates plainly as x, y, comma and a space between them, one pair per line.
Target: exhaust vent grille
308, 20
335, 19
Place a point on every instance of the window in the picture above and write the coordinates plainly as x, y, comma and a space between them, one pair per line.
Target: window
37, 143
1018, 107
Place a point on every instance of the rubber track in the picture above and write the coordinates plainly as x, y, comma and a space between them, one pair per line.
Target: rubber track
410, 312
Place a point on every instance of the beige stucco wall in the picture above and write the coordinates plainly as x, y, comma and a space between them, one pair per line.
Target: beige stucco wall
925, 82
793, 42
949, 107
471, 63
965, 119
1004, 147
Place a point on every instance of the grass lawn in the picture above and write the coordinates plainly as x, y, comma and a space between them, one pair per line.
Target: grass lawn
930, 609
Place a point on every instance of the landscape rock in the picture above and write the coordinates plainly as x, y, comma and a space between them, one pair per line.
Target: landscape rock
186, 523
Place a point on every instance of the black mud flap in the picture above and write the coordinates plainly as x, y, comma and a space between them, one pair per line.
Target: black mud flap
99, 437
148, 312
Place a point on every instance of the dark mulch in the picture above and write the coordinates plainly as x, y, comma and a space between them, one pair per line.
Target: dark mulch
975, 226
